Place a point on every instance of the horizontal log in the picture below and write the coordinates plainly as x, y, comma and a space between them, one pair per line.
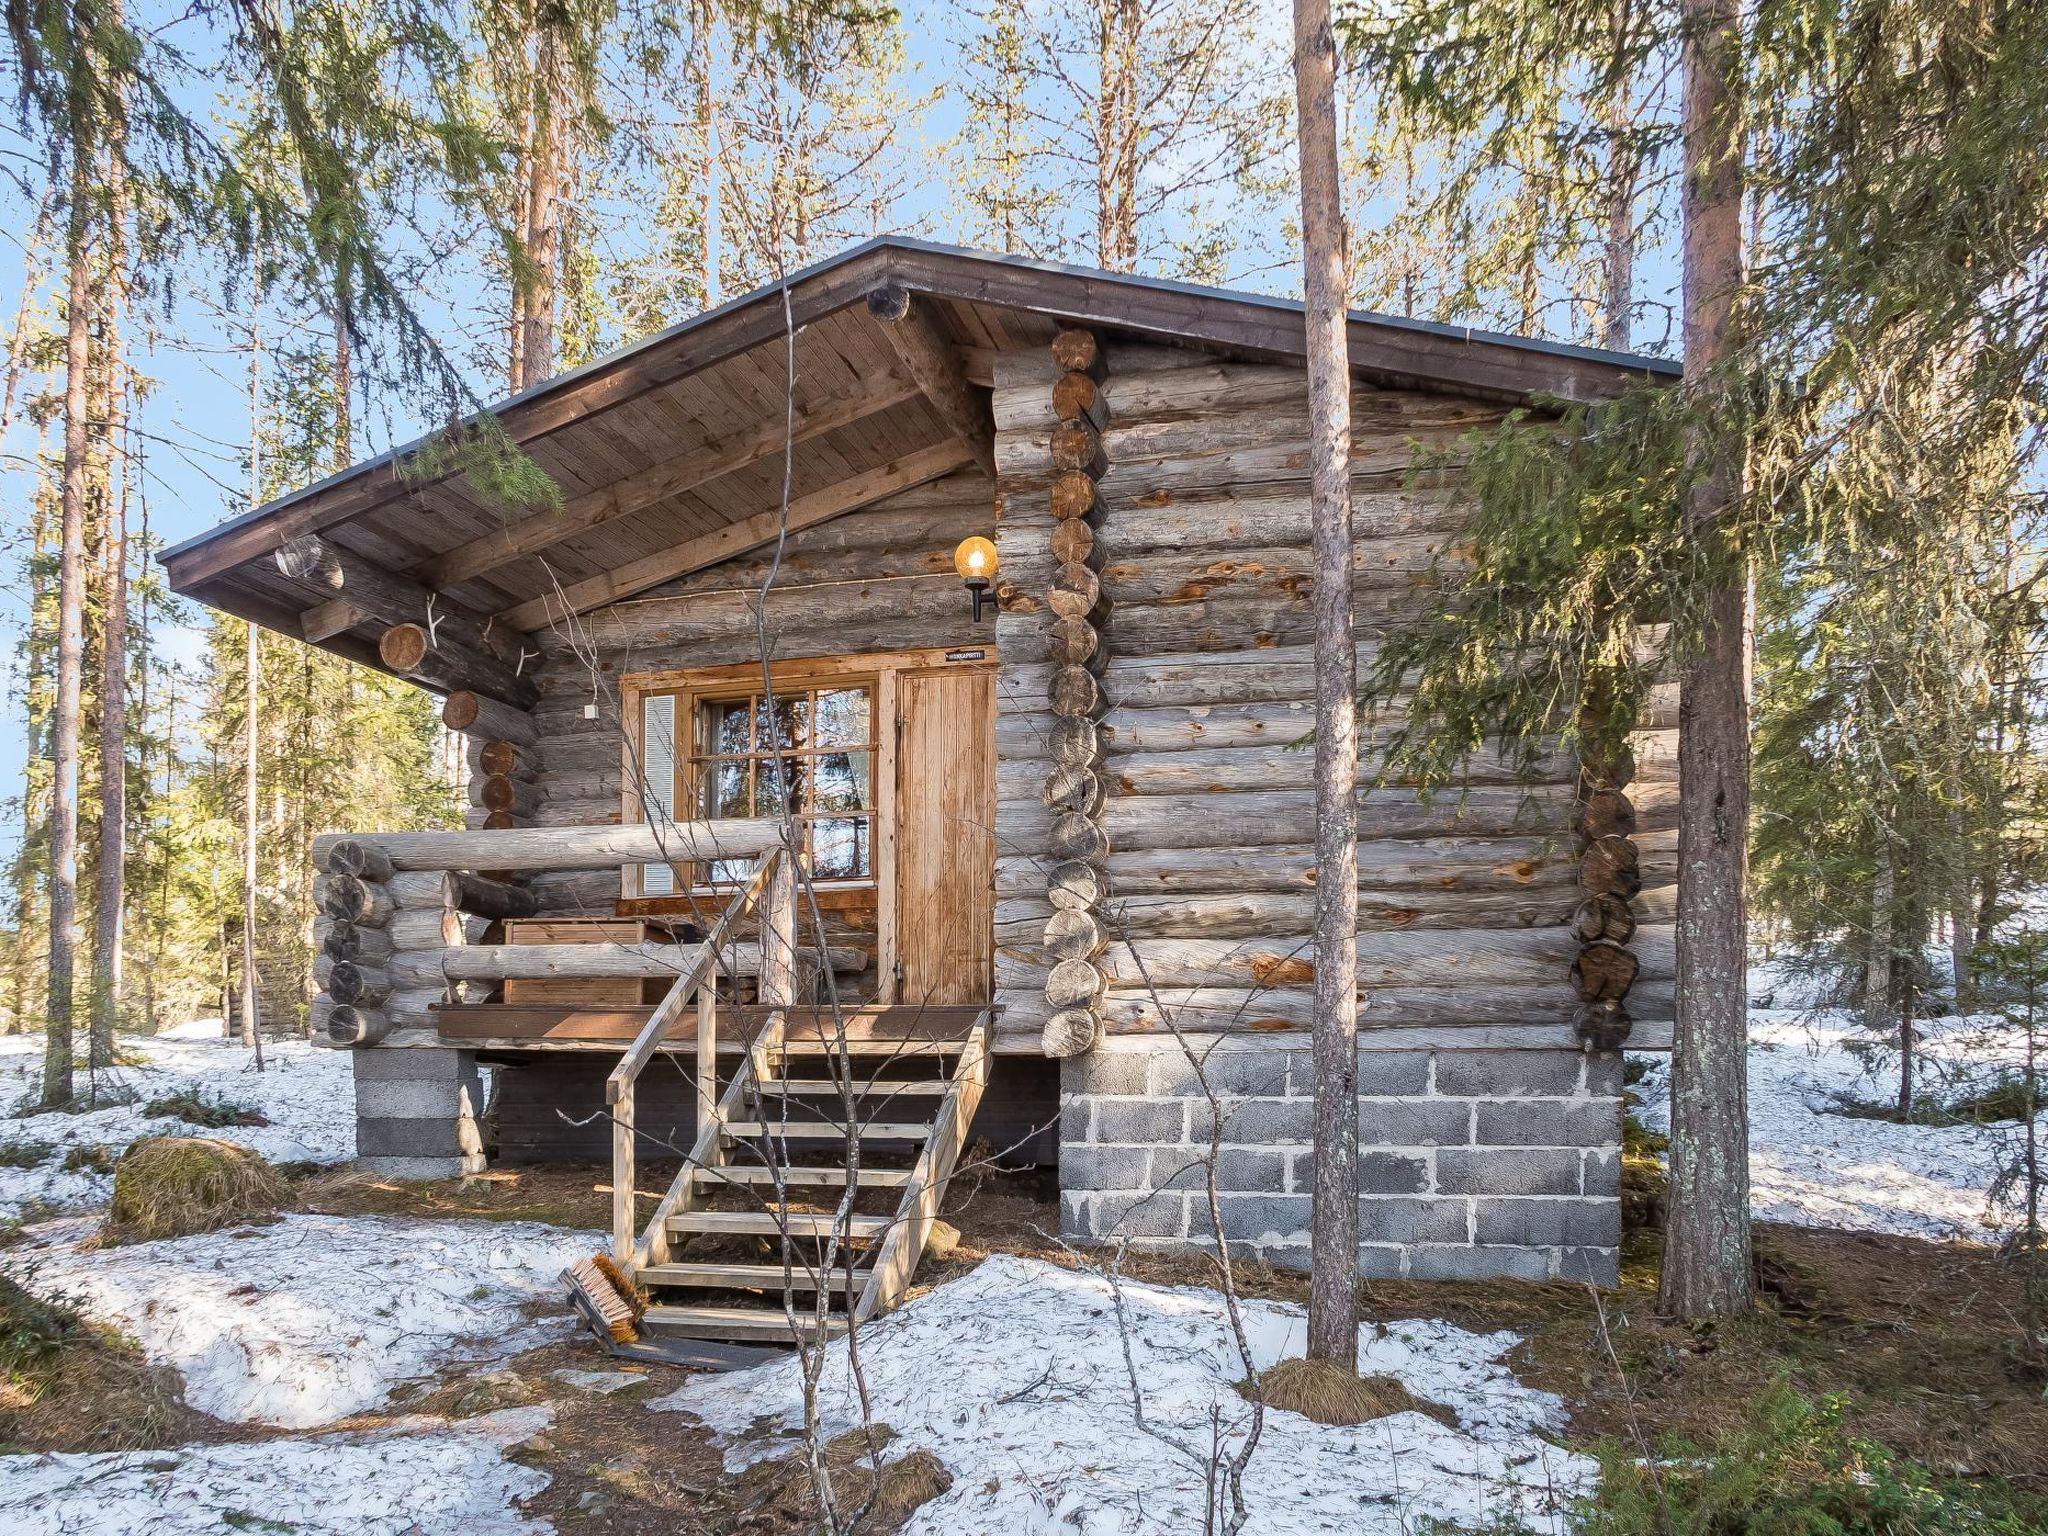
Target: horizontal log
434, 928
1241, 1010
376, 592
408, 650
347, 856
366, 903
1451, 958
536, 962
473, 714
345, 1025
347, 941
355, 981
1480, 864
486, 756
496, 792
491, 899
577, 848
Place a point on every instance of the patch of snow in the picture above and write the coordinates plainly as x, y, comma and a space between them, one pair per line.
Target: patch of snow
307, 1095
1810, 1165
314, 1318
416, 1475
1014, 1377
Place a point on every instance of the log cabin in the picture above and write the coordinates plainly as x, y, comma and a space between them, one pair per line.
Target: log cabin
901, 714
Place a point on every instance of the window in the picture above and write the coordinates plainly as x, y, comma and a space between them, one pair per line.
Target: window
811, 751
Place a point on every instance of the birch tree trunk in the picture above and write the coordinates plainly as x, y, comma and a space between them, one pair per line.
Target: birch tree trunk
57, 1064
1333, 1218
1707, 1239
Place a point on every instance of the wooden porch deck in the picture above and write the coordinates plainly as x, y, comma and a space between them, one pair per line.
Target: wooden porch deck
573, 1027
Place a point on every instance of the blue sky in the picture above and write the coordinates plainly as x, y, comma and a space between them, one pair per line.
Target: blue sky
195, 422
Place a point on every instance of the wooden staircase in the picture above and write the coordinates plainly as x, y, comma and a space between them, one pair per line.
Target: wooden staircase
818, 1168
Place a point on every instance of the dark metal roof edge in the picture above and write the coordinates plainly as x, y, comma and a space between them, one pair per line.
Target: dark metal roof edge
1623, 362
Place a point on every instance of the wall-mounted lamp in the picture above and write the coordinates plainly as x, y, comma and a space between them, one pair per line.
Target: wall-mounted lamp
975, 560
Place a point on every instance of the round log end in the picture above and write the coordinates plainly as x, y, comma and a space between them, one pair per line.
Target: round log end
1074, 789
1077, 351
1074, 836
1605, 813
1074, 691
1072, 540
1074, 886
403, 647
1073, 984
1602, 1026
460, 709
1074, 496
1076, 397
1604, 971
1603, 917
889, 303
1072, 936
1071, 1032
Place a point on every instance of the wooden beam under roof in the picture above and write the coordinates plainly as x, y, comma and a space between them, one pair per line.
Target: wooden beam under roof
658, 482
933, 362
871, 485
695, 344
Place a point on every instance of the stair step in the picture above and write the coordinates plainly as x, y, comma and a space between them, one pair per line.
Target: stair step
770, 1223
824, 1130
733, 1323
804, 1178
771, 1277
801, 1086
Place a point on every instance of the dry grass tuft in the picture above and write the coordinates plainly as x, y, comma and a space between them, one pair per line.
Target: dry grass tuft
174, 1186
1330, 1394
67, 1385
779, 1496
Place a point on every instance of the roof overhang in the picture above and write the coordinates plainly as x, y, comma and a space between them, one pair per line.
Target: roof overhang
393, 514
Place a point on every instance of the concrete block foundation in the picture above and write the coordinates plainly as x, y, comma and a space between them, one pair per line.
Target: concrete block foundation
1474, 1163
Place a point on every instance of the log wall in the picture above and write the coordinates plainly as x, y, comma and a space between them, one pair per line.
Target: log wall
1201, 544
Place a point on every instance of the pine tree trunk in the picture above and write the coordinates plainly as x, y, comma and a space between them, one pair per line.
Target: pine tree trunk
64, 722
1333, 1212
112, 872
1619, 258
252, 1036
1707, 1237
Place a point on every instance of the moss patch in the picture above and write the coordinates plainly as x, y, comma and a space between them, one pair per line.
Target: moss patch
202, 1109
173, 1186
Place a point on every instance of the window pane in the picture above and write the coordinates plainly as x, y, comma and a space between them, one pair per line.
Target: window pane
730, 871
840, 782
784, 725
725, 790
729, 727
779, 785
842, 719
839, 848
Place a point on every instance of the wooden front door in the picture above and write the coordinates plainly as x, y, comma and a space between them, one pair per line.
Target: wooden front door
945, 835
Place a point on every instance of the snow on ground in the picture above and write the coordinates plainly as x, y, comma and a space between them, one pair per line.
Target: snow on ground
314, 1318
1813, 1166
416, 1475
307, 1095
1014, 1377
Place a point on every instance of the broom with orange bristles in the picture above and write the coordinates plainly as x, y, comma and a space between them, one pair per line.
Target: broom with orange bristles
609, 1302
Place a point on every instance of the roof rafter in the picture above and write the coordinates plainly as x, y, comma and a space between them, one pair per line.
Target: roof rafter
658, 482
849, 495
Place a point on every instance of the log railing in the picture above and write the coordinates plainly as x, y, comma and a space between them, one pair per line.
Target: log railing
402, 914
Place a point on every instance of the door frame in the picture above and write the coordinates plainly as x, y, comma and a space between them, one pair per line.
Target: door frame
882, 669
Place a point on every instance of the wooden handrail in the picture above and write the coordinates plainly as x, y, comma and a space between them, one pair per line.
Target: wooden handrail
774, 872
546, 848
925, 1191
